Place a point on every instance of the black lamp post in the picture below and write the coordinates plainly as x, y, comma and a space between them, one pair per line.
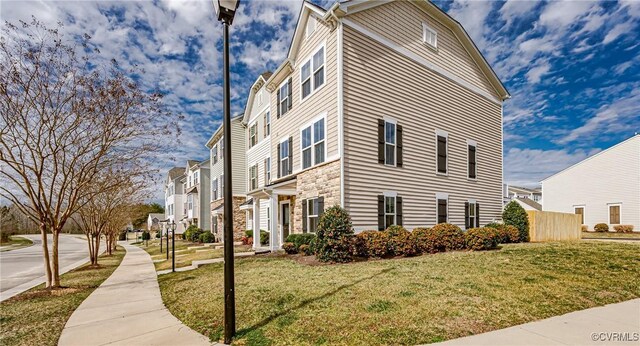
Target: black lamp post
168, 225
225, 11
173, 246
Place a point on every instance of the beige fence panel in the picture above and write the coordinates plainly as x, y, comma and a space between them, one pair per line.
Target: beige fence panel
549, 225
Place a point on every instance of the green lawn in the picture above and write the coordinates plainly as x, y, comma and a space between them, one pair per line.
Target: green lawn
185, 258
610, 235
404, 301
37, 317
16, 242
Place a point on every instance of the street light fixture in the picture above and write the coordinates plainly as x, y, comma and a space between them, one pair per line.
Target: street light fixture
173, 246
225, 11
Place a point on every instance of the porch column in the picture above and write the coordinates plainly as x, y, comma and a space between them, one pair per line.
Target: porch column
256, 223
274, 234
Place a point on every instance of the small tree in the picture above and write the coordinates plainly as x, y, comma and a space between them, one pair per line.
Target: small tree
334, 235
515, 215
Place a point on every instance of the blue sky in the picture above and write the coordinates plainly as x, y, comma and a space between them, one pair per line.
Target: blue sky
572, 67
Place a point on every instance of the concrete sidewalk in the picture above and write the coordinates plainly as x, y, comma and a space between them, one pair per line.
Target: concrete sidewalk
127, 309
614, 324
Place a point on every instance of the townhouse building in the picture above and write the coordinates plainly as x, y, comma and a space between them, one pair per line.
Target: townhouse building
196, 186
386, 108
239, 183
173, 197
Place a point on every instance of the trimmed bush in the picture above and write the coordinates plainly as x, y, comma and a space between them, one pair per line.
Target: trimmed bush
372, 244
189, 232
483, 238
264, 236
495, 225
146, 235
401, 242
158, 234
305, 250
584, 228
207, 237
439, 238
122, 235
623, 228
515, 215
506, 233
334, 236
290, 248
601, 227
301, 239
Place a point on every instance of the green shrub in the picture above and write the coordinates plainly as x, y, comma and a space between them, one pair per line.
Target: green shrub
623, 228
122, 235
584, 228
483, 238
305, 249
372, 244
334, 234
439, 238
506, 233
158, 234
290, 248
189, 232
401, 242
601, 227
146, 235
207, 237
300, 239
495, 225
515, 215
264, 236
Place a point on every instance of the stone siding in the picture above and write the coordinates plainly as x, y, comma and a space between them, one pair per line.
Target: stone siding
322, 181
239, 218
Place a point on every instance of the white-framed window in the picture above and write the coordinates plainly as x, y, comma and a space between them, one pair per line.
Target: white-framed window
429, 36
253, 177
284, 158
615, 213
195, 178
390, 143
267, 170
472, 159
221, 145
222, 185
214, 153
579, 210
267, 124
442, 208
471, 211
313, 210
268, 218
253, 135
312, 143
389, 211
311, 26
190, 202
312, 73
283, 102
442, 148
214, 189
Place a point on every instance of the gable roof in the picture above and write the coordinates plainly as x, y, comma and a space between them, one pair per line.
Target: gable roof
175, 172
533, 204
353, 6
259, 82
218, 132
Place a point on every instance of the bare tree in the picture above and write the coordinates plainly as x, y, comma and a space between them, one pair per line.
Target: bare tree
65, 118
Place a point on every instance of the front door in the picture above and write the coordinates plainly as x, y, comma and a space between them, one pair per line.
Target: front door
284, 209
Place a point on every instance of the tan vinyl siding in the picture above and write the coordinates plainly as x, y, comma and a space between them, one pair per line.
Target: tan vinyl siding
239, 165
259, 152
379, 82
303, 111
401, 22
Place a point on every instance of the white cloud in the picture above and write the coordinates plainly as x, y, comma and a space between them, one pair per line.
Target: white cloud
617, 31
559, 14
534, 75
527, 167
472, 15
515, 9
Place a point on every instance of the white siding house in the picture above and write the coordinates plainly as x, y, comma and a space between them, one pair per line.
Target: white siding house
605, 187
174, 198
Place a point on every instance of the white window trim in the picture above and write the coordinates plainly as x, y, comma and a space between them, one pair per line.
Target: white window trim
267, 171
306, 27
257, 176
285, 139
445, 196
426, 28
470, 202
264, 116
305, 126
395, 136
472, 143
279, 102
254, 123
395, 208
445, 135
324, 72
609, 205
584, 211
309, 215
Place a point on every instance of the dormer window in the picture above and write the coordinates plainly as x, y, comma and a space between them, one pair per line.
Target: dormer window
429, 36
311, 26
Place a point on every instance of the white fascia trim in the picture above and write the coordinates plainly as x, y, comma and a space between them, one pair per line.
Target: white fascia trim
356, 6
422, 61
341, 111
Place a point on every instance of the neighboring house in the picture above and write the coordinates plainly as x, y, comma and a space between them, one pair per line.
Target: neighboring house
196, 184
174, 198
385, 108
529, 199
153, 221
239, 183
604, 188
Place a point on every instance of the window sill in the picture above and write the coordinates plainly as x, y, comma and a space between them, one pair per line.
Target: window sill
313, 92
442, 174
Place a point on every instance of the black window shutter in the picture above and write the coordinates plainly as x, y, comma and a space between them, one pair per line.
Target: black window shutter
290, 155
278, 163
380, 212
477, 215
304, 216
278, 104
472, 162
399, 146
381, 141
290, 99
466, 215
399, 211
320, 201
